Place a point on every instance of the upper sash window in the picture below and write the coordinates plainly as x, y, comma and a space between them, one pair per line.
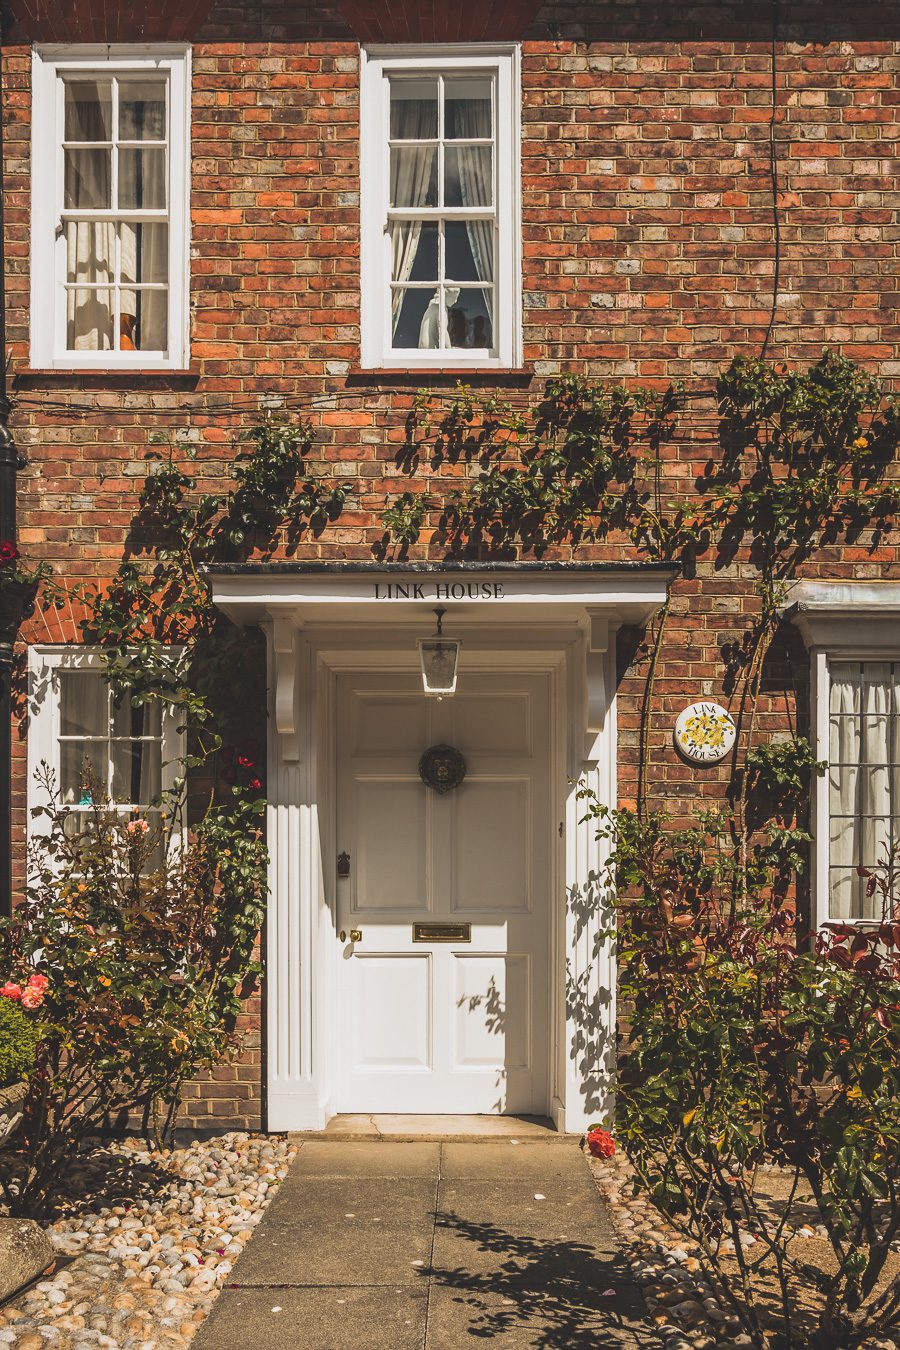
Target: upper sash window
109, 209
440, 209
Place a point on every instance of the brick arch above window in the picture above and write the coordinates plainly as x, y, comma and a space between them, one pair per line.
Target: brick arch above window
97, 21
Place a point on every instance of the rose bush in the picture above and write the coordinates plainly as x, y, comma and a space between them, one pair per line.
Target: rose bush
746, 1047
139, 941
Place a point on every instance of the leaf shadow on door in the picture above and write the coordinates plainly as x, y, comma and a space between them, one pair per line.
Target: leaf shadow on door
563, 1295
493, 1004
592, 1045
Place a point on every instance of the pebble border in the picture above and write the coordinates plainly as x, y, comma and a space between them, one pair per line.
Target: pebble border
146, 1273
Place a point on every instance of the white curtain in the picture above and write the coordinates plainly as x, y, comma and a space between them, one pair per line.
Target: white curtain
476, 186
87, 733
91, 245
412, 167
864, 750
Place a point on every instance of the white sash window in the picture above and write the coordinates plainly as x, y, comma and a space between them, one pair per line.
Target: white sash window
440, 208
109, 208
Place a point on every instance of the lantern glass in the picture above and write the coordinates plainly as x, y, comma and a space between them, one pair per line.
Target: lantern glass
440, 660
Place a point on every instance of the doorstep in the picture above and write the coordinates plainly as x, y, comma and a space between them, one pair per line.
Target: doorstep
443, 1129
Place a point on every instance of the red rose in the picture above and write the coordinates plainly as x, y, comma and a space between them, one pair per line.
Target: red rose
255, 784
601, 1143
8, 552
245, 761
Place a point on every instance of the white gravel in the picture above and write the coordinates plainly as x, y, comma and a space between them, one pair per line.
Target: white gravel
149, 1264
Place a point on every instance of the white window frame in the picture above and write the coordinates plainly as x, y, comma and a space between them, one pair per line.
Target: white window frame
48, 244
44, 665
840, 622
377, 64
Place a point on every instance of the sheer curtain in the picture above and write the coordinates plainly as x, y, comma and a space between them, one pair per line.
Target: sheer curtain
471, 118
91, 245
412, 170
863, 755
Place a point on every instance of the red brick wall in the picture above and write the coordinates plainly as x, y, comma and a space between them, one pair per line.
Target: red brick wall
647, 254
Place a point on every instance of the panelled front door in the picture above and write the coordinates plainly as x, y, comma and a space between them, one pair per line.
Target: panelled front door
456, 1026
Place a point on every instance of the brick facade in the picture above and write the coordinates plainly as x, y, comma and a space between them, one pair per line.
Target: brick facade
648, 254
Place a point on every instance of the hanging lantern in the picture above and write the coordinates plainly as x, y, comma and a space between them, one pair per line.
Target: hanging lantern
439, 656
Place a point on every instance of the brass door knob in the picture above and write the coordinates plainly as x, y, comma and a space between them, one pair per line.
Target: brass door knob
355, 935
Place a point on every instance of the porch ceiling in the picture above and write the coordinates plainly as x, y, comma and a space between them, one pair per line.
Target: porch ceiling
439, 20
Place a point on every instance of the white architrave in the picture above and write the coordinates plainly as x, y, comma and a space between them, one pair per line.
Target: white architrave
330, 620
838, 620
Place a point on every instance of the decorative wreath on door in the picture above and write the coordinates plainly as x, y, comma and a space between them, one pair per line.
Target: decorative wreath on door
442, 768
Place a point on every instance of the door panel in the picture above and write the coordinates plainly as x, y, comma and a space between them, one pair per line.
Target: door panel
444, 1026
487, 877
385, 876
399, 987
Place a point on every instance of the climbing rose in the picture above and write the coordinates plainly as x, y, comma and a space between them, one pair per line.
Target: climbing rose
137, 827
32, 998
8, 552
255, 784
38, 982
10, 990
601, 1143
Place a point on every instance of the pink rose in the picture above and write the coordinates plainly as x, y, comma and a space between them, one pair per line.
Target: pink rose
10, 990
135, 827
38, 982
32, 998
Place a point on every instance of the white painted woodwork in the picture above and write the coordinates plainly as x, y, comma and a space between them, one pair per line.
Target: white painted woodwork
442, 1027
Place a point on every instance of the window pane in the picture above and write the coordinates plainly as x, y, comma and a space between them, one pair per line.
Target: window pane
136, 771
89, 320
83, 703
90, 251
145, 252
469, 250
81, 764
844, 889
144, 321
88, 110
414, 175
87, 180
414, 109
467, 175
414, 251
142, 110
467, 109
416, 317
142, 179
469, 318
142, 719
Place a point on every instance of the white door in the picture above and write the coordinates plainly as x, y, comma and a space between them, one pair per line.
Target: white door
453, 1026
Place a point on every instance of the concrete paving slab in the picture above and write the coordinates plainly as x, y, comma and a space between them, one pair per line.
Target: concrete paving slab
505, 1160
387, 1318
554, 1321
330, 1230
482, 1238
558, 1206
364, 1159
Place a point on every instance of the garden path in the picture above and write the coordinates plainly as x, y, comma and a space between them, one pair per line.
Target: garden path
431, 1246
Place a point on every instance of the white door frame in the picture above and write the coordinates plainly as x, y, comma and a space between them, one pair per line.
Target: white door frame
316, 631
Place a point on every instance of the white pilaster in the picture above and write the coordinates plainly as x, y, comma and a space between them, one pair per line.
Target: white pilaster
589, 943
295, 1096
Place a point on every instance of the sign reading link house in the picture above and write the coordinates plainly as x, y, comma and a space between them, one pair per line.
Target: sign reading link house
438, 590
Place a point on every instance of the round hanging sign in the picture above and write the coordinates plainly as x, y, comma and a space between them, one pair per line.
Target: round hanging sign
442, 768
705, 732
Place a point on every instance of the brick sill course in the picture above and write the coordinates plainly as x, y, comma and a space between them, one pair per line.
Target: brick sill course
57, 378
423, 378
